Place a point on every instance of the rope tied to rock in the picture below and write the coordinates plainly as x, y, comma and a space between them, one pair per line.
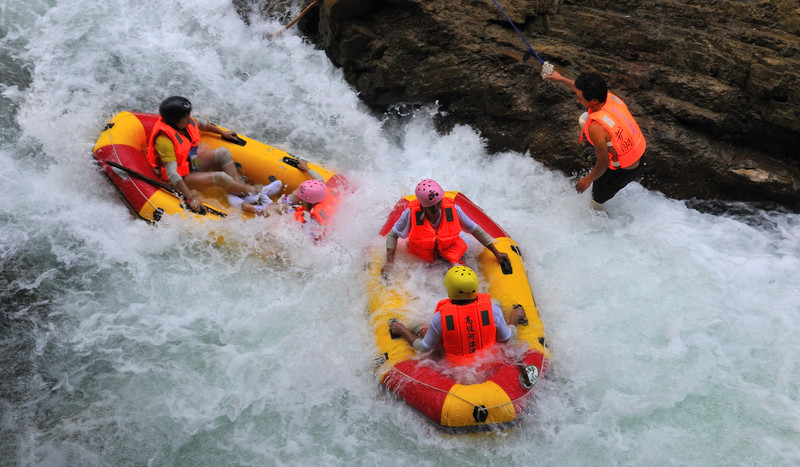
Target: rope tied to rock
547, 67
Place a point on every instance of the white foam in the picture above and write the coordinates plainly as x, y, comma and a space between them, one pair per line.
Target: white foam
153, 345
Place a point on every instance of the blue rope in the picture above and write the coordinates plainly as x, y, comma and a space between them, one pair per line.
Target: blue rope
530, 49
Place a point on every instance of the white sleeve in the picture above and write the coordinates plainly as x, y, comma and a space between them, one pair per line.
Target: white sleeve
434, 335
467, 224
503, 331
403, 225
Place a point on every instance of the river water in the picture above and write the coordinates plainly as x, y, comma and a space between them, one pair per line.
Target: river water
673, 332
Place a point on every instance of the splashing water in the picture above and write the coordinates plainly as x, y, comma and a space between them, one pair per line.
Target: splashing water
673, 332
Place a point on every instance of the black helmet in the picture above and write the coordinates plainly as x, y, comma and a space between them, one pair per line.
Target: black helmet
174, 108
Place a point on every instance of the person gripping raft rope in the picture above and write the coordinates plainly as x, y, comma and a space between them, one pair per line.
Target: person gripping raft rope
174, 152
433, 225
613, 132
464, 324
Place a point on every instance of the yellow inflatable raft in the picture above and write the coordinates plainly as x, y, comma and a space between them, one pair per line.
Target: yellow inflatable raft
501, 397
121, 151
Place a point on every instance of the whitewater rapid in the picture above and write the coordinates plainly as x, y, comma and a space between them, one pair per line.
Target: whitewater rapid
673, 331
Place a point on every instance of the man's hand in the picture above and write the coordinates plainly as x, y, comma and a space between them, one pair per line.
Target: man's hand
302, 164
501, 257
195, 204
583, 184
398, 328
554, 76
517, 316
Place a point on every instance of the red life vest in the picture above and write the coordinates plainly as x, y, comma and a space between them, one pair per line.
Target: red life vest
424, 241
466, 329
626, 137
320, 212
181, 144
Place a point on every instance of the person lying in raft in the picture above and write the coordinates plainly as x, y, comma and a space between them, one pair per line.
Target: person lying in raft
436, 231
465, 323
174, 154
316, 203
293, 199
312, 203
260, 203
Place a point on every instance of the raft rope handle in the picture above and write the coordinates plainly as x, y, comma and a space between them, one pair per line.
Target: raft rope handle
547, 67
456, 395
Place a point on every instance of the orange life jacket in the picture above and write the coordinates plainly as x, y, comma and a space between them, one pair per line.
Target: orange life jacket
181, 144
626, 137
466, 329
426, 242
320, 212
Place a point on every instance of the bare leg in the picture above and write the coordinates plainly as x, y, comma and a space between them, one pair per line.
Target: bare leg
204, 180
212, 160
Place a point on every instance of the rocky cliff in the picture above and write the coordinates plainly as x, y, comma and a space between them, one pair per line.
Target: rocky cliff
714, 84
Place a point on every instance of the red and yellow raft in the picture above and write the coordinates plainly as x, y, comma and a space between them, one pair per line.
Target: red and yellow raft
502, 396
121, 151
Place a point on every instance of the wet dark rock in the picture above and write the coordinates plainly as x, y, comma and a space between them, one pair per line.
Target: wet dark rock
714, 84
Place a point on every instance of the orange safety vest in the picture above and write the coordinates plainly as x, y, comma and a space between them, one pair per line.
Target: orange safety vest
466, 329
425, 241
626, 137
179, 142
326, 207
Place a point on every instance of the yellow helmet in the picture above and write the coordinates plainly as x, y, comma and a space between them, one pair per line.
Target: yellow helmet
461, 283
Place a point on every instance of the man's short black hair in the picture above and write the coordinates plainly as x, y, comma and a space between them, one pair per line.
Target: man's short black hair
593, 86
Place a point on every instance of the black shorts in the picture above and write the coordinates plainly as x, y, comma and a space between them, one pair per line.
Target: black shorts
605, 187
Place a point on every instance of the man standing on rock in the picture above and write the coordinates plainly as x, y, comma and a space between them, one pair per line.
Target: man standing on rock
618, 142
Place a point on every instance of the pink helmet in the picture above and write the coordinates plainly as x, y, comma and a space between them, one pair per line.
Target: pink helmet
429, 193
312, 191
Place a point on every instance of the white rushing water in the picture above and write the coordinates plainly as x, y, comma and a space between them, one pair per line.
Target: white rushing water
674, 332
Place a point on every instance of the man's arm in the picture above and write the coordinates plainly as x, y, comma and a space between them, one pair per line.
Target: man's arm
400, 229
599, 138
209, 127
468, 225
391, 248
417, 341
165, 151
515, 318
559, 78
488, 242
